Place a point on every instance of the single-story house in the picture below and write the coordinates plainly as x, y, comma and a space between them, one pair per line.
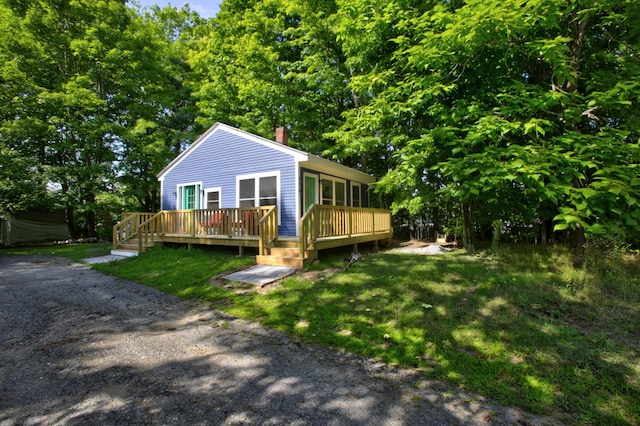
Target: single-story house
234, 188
230, 168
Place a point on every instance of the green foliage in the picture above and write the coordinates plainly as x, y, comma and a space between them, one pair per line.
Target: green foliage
467, 112
534, 101
91, 90
265, 64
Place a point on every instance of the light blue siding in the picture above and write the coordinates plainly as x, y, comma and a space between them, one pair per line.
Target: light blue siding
222, 156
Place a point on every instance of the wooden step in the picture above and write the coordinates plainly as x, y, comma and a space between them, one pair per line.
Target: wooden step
290, 261
129, 245
285, 251
287, 243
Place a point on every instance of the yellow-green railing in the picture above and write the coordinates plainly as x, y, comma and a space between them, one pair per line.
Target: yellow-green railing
149, 230
235, 222
268, 227
127, 228
322, 221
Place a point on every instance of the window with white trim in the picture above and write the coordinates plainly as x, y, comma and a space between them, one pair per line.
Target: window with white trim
258, 190
213, 198
333, 191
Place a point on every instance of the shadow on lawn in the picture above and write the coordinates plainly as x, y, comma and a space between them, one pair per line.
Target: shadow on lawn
510, 331
102, 350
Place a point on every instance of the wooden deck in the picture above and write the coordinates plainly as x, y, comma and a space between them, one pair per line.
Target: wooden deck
322, 227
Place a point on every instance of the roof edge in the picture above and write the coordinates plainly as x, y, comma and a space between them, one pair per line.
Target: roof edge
299, 156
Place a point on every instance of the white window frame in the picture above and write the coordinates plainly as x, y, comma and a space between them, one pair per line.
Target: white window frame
333, 179
205, 201
359, 186
180, 194
256, 177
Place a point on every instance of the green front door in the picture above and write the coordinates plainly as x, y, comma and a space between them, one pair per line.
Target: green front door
189, 198
310, 196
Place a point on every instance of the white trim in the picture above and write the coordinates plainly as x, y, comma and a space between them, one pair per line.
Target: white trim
322, 165
303, 159
298, 196
256, 177
162, 194
334, 180
198, 186
217, 189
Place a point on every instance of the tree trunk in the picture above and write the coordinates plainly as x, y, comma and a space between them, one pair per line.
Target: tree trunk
467, 232
90, 219
578, 26
577, 246
544, 238
69, 213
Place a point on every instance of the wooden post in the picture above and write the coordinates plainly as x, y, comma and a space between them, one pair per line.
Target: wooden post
373, 227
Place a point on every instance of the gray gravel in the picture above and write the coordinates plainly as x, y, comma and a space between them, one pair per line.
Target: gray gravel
80, 347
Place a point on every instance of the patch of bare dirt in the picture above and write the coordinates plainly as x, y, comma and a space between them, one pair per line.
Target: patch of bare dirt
421, 247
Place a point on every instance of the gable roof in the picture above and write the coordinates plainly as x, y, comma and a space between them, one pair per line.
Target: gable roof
304, 158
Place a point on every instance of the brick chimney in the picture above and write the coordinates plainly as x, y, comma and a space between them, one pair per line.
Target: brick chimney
282, 135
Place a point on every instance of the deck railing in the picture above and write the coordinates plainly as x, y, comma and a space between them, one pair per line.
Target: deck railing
322, 221
260, 223
268, 229
236, 222
149, 230
127, 228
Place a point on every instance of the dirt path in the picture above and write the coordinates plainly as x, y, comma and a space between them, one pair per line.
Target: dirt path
80, 347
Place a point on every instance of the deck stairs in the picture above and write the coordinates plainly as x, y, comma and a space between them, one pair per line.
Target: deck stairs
285, 253
128, 250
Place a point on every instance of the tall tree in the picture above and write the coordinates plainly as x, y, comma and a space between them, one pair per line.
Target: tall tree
265, 64
60, 116
154, 105
534, 101
92, 90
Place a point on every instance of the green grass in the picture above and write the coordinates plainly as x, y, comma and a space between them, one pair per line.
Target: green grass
522, 327
75, 252
185, 273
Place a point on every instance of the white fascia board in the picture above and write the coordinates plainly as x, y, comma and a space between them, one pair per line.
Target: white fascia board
296, 154
323, 165
298, 197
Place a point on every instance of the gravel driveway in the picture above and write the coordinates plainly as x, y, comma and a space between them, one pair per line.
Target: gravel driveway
80, 347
